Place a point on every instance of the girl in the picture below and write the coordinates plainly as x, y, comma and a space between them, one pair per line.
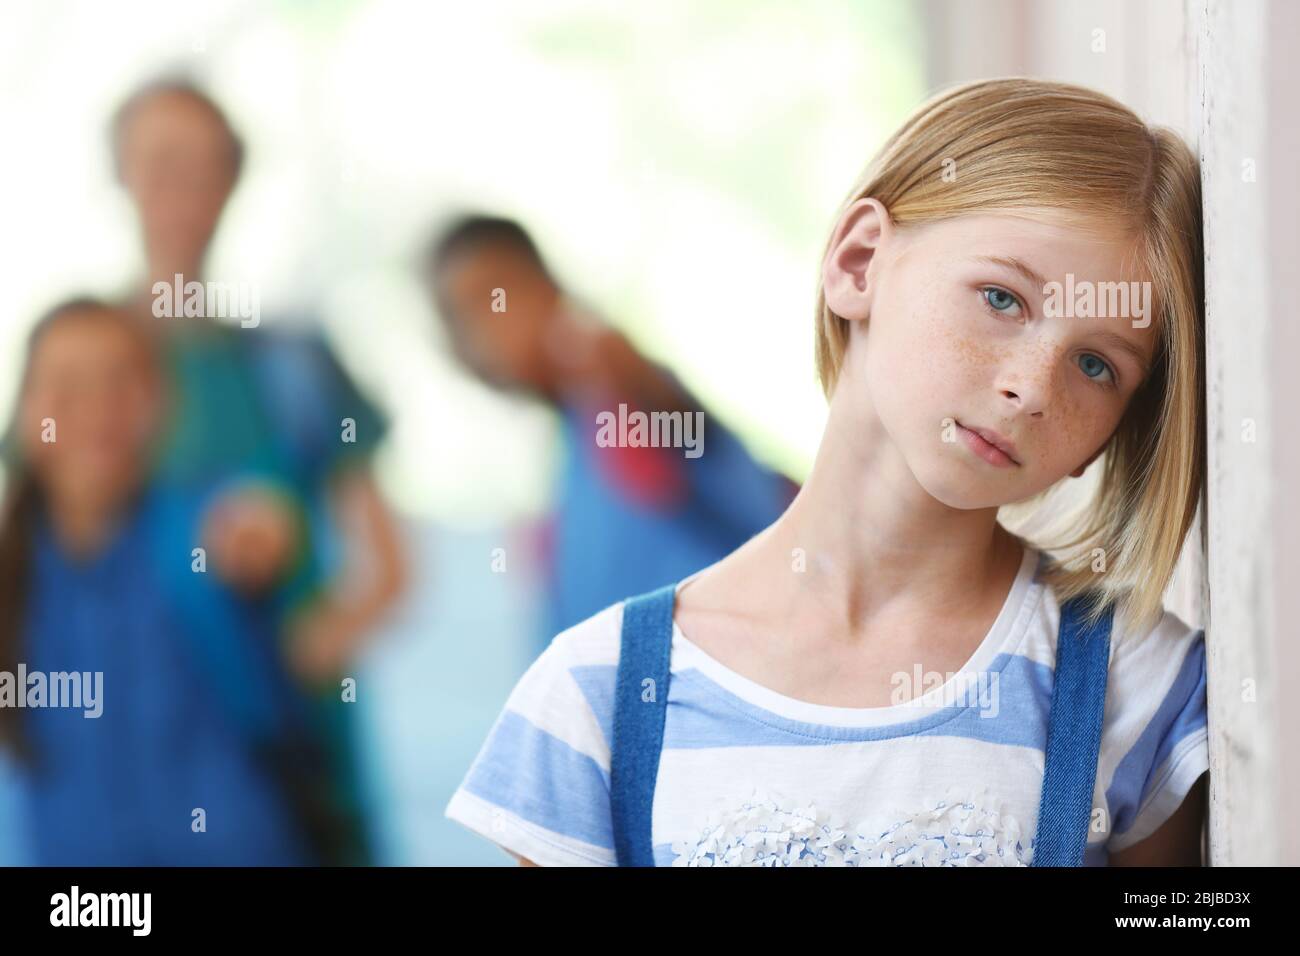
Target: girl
195, 756
873, 679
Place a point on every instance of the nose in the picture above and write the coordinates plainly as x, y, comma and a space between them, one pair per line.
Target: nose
1027, 379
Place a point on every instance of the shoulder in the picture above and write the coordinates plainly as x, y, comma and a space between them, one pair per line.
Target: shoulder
593, 641
568, 691
1155, 738
1154, 744
1144, 660
539, 786
1156, 693
311, 392
292, 351
1137, 655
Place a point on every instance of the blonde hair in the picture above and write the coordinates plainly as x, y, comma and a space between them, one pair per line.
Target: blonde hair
1020, 143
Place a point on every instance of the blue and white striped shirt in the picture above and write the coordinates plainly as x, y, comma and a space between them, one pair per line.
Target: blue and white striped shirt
749, 776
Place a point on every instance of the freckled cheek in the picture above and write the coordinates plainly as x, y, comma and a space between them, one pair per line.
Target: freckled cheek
938, 347
955, 373
973, 361
1075, 433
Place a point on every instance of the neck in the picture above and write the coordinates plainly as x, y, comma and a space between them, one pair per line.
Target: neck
81, 525
166, 268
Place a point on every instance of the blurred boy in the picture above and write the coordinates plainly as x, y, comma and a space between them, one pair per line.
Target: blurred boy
628, 515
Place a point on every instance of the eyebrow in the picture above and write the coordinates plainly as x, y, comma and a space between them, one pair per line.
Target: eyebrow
1019, 266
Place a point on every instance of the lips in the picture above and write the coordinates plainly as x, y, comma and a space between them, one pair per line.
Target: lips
993, 447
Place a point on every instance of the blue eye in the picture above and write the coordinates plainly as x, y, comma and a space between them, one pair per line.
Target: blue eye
999, 300
1092, 365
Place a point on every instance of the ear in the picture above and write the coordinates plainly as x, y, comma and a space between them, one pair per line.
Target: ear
864, 226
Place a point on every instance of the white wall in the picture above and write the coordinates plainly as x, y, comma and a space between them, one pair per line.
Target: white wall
1246, 96
1138, 52
1281, 244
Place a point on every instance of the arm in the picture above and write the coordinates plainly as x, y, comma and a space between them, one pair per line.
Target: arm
330, 631
1178, 841
585, 358
738, 495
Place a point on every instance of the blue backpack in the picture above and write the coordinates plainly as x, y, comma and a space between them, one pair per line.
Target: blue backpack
1073, 729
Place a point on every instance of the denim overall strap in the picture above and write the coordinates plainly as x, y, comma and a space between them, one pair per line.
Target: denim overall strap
640, 704
1073, 736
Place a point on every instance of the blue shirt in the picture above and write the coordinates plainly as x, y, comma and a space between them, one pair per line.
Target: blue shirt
630, 519
122, 788
278, 405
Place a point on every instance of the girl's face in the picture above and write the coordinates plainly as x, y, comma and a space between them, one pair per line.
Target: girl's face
90, 408
965, 336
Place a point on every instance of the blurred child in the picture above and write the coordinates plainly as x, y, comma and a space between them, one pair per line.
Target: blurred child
627, 515
251, 397
195, 749
265, 401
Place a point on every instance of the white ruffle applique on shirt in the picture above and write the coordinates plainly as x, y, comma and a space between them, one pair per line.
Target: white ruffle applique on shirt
762, 833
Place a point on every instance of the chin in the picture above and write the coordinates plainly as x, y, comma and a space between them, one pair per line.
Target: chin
961, 488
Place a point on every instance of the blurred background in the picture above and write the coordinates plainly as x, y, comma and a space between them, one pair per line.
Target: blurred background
367, 122
677, 165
